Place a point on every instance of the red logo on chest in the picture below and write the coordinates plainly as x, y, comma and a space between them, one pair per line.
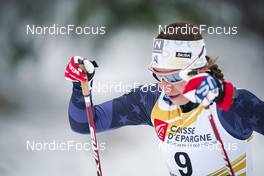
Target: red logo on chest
161, 128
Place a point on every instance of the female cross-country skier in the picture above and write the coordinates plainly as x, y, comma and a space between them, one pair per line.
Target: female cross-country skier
203, 123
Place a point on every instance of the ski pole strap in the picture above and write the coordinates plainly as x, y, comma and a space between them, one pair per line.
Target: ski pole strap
80, 62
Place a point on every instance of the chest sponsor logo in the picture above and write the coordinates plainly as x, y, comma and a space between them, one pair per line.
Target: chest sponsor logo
160, 128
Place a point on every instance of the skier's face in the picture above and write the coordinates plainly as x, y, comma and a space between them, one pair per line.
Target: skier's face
173, 90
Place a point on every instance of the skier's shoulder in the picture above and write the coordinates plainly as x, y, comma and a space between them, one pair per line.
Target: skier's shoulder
241, 92
148, 92
237, 120
245, 98
244, 105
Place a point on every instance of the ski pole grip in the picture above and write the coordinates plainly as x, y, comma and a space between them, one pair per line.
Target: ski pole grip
84, 84
85, 88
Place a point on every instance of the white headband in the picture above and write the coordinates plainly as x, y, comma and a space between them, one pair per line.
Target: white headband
178, 54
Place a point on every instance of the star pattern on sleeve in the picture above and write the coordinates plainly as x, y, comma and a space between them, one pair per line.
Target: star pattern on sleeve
135, 109
123, 119
253, 120
246, 116
142, 100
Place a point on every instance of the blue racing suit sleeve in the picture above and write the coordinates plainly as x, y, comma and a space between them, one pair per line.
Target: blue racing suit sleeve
245, 116
133, 108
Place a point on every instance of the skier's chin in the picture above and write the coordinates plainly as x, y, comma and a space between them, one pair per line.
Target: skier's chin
179, 99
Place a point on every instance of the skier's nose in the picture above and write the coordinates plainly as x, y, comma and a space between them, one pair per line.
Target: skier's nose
171, 88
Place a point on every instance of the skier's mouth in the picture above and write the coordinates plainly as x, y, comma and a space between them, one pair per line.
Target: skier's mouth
174, 96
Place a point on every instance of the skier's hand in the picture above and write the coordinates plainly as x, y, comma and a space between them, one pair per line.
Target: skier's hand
75, 74
202, 88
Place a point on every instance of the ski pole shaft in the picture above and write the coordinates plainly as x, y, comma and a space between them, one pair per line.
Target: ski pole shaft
218, 138
90, 119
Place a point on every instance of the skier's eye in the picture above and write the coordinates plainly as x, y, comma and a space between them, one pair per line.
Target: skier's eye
173, 78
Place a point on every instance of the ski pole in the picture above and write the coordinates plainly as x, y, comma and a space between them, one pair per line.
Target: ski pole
218, 138
90, 119
188, 73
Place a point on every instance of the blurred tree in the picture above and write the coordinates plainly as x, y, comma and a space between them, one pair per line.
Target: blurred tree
15, 14
117, 14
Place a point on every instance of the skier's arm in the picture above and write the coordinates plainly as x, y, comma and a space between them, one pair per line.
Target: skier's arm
251, 109
245, 115
130, 109
240, 111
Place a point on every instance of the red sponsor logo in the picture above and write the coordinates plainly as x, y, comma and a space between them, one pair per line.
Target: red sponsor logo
161, 128
74, 70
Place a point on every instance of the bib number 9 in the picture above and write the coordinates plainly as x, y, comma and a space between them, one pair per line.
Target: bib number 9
183, 161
